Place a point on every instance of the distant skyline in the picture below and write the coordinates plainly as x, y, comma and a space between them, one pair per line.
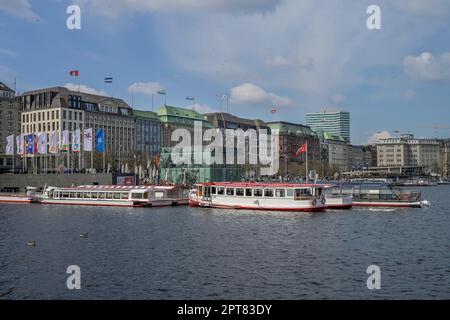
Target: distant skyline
295, 56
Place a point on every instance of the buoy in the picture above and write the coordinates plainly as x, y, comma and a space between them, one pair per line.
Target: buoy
84, 235
31, 243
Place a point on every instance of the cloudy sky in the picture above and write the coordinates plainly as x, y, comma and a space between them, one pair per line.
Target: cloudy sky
296, 55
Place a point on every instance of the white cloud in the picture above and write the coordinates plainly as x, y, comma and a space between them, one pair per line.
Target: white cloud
85, 89
115, 8
20, 8
250, 93
374, 138
278, 61
147, 88
426, 67
428, 8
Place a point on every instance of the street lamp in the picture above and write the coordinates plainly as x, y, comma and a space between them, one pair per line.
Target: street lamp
193, 103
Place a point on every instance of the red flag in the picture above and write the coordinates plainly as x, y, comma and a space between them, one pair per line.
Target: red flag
273, 111
303, 148
74, 73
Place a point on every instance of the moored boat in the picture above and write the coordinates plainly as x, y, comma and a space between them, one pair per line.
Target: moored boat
28, 197
337, 201
379, 195
259, 196
122, 196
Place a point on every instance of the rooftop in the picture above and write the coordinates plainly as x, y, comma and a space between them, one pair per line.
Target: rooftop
146, 114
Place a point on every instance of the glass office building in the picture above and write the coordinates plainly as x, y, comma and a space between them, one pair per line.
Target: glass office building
331, 121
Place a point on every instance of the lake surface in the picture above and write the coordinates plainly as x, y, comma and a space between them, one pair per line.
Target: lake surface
195, 253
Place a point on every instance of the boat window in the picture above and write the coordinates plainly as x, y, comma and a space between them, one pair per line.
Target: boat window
213, 190
257, 192
268, 192
101, 195
302, 194
248, 192
280, 193
230, 192
146, 195
109, 195
159, 194
116, 195
290, 192
318, 191
124, 195
65, 195
220, 190
200, 191
94, 195
240, 192
136, 195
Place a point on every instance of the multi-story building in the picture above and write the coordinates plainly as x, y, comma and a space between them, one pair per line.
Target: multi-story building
335, 152
409, 151
369, 156
10, 109
59, 109
445, 156
292, 136
173, 118
148, 133
334, 122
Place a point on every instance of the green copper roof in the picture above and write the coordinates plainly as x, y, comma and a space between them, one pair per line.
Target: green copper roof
146, 114
180, 115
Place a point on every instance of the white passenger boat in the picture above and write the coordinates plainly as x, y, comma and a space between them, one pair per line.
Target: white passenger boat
28, 197
337, 201
379, 195
258, 196
122, 196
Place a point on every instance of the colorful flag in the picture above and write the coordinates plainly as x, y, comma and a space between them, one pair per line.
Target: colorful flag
19, 144
42, 143
74, 73
76, 140
87, 139
65, 144
109, 80
10, 145
273, 111
303, 148
100, 140
53, 147
30, 143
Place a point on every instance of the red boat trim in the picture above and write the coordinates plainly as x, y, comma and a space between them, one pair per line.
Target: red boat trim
313, 209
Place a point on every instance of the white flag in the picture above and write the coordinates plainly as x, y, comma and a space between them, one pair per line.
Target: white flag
42, 143
76, 141
53, 142
19, 144
87, 139
10, 145
65, 140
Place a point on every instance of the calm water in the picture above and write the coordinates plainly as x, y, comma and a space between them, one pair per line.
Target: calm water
189, 253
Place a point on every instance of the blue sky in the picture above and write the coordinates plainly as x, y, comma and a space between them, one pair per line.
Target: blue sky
297, 56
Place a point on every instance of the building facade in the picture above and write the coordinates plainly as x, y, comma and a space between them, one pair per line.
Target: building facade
292, 136
409, 151
59, 109
334, 122
148, 133
336, 152
10, 109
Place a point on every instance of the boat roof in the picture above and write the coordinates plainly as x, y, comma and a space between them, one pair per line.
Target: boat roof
260, 185
117, 188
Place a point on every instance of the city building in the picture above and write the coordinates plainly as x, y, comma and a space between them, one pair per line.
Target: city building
173, 118
334, 122
148, 134
59, 109
292, 136
444, 145
10, 108
408, 151
335, 152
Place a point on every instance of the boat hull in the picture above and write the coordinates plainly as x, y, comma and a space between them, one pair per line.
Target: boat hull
388, 204
17, 199
206, 204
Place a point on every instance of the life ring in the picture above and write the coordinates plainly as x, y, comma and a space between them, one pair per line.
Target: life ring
314, 202
324, 200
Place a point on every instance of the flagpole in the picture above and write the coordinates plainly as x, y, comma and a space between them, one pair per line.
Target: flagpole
307, 178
